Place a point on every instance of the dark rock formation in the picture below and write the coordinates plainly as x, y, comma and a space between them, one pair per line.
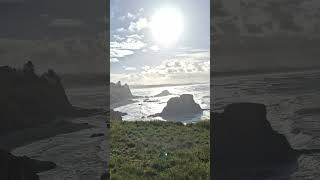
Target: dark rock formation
180, 106
27, 99
149, 100
243, 138
116, 115
105, 176
119, 93
17, 168
163, 93
28, 68
97, 135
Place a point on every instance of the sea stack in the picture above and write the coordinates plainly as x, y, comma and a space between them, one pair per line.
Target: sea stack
163, 93
119, 93
180, 106
242, 137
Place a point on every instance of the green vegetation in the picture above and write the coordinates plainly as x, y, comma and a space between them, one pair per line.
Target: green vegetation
160, 150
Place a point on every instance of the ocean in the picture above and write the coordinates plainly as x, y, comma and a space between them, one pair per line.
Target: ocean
286, 95
293, 109
146, 105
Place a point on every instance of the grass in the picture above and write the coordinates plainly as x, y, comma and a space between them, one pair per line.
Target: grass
159, 150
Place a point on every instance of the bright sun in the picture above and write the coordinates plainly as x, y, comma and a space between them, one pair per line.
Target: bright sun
167, 26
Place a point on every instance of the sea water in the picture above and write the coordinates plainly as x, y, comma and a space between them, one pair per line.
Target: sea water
146, 104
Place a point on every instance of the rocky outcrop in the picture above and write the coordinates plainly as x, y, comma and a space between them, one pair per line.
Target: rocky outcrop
150, 100
180, 106
119, 93
116, 115
242, 137
105, 176
163, 93
27, 99
96, 135
17, 168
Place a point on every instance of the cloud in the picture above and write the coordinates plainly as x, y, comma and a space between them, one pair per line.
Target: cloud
119, 53
119, 38
154, 48
268, 18
122, 18
145, 68
138, 25
178, 66
126, 41
135, 36
130, 68
180, 69
195, 54
131, 16
114, 60
122, 48
121, 30
129, 43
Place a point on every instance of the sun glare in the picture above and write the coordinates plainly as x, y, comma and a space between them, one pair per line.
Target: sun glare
167, 26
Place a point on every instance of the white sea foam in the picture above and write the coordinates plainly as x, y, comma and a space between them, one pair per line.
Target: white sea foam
147, 105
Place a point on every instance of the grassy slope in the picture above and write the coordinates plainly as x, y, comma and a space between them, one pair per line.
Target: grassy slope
138, 150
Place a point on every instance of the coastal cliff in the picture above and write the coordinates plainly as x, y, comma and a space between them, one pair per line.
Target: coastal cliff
28, 99
120, 93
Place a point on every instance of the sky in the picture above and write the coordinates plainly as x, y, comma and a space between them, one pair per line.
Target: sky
160, 42
265, 35
40, 19
270, 16
66, 36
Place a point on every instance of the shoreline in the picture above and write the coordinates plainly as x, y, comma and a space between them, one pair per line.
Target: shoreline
78, 154
122, 103
27, 136
49, 129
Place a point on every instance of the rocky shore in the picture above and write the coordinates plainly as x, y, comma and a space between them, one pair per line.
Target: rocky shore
17, 168
28, 99
32, 107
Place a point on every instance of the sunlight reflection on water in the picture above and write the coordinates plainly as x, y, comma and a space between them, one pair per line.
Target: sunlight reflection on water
147, 105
